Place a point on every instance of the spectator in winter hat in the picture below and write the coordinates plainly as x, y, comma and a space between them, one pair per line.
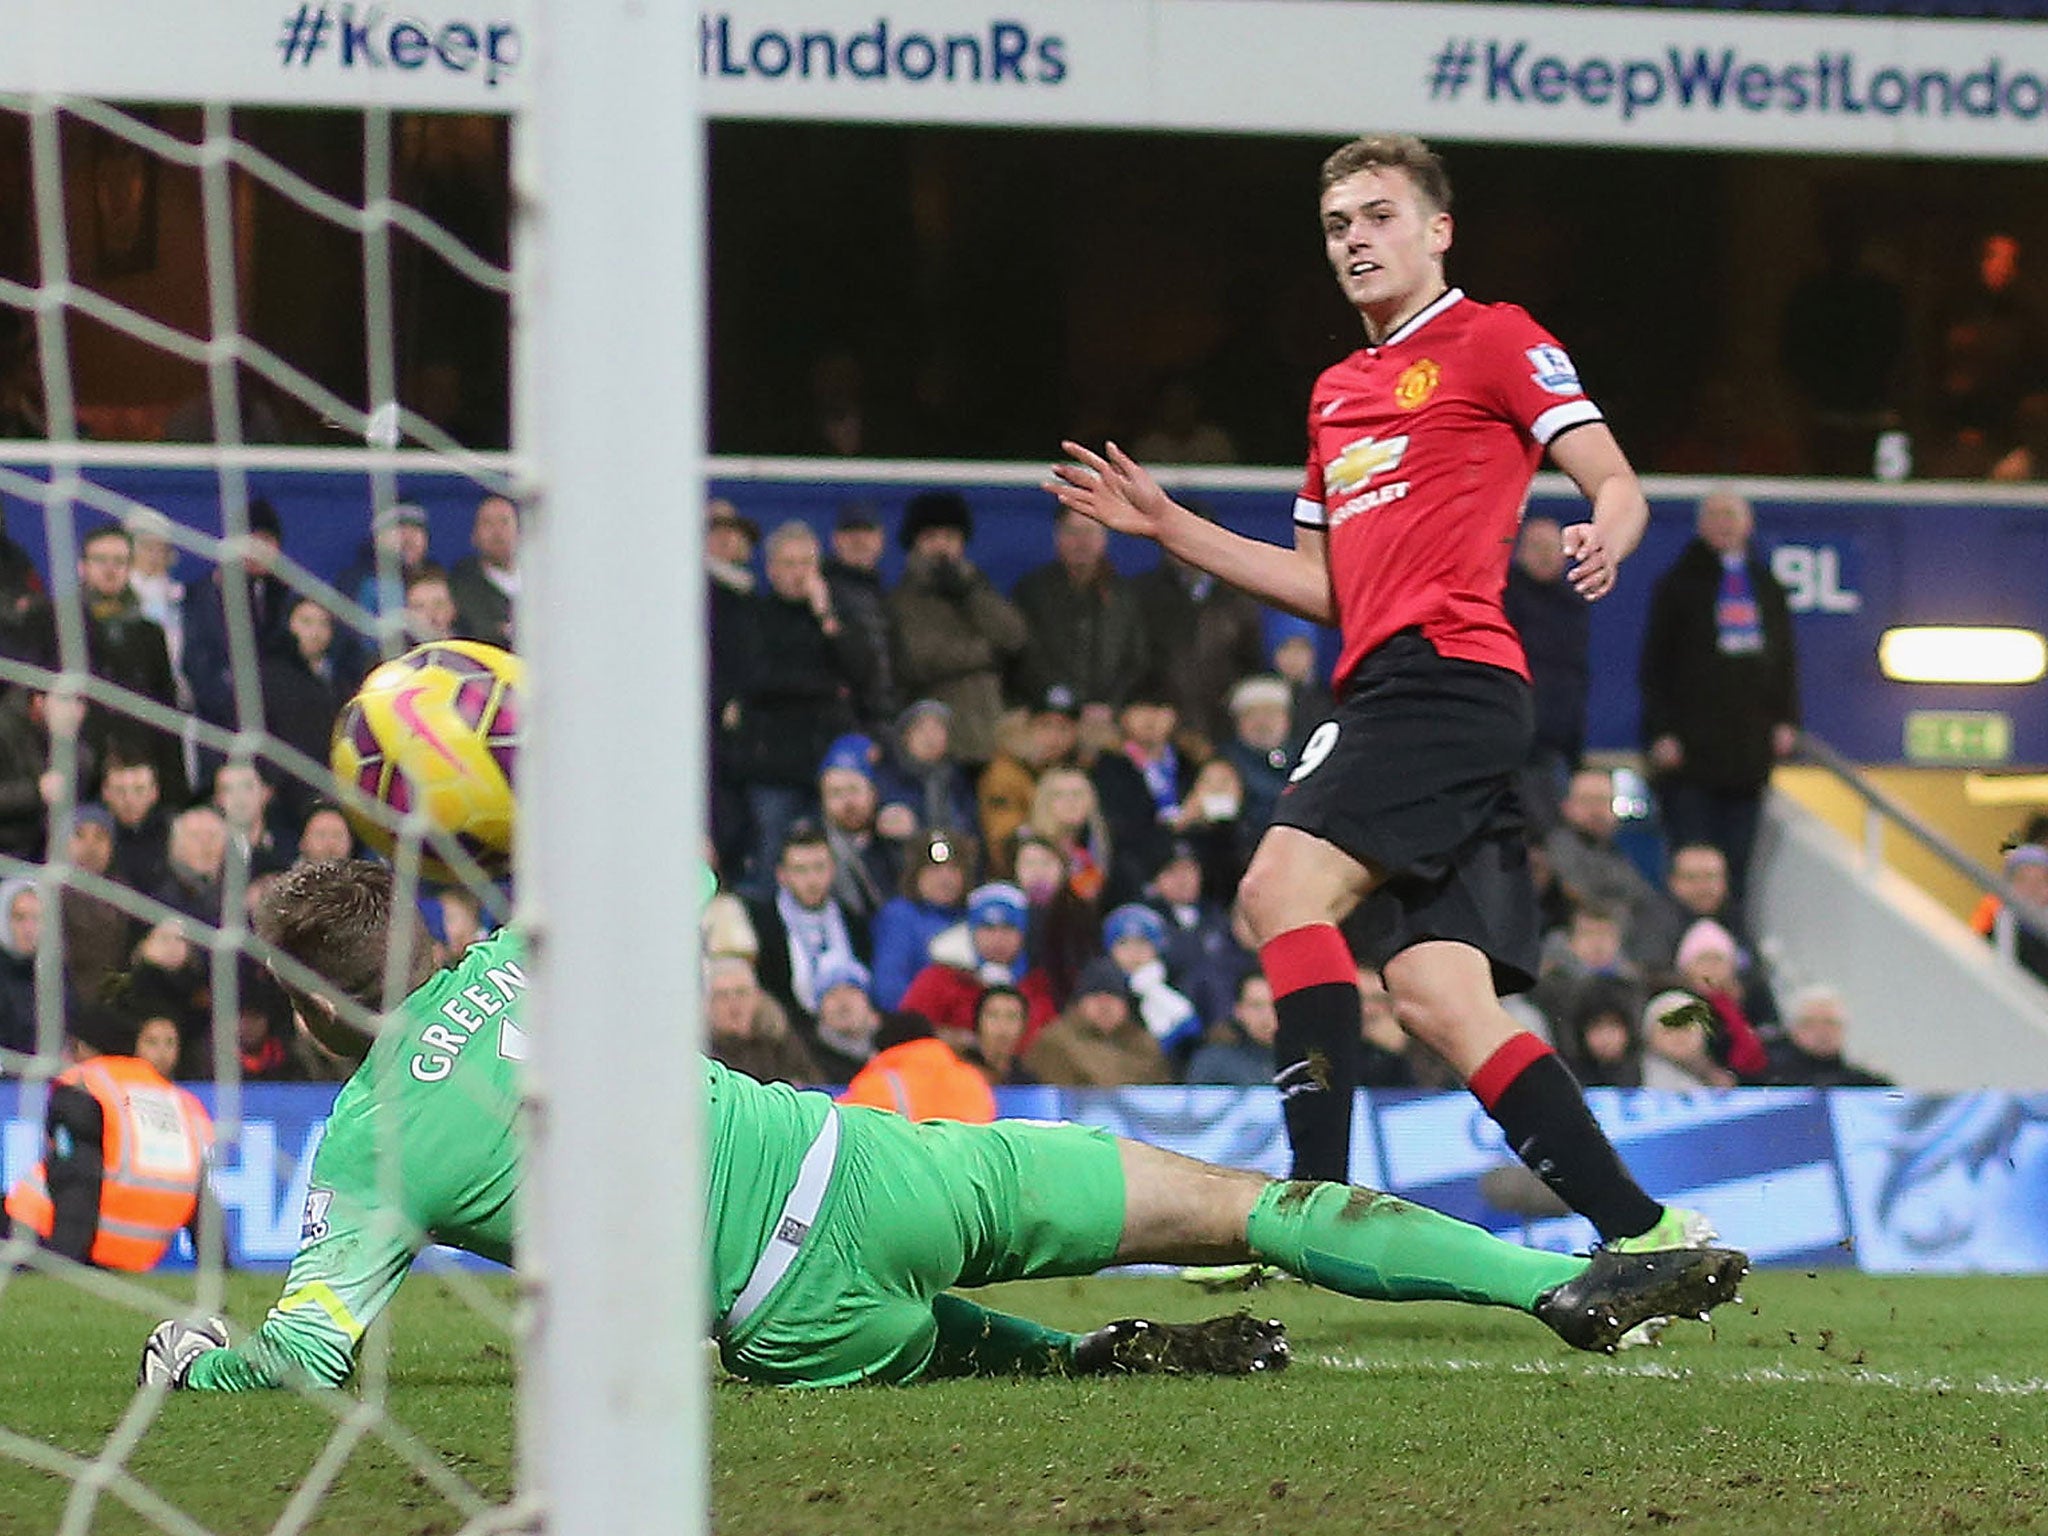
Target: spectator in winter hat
853, 570
843, 1038
931, 512
1291, 643
985, 951
1098, 1042
867, 867
997, 905
97, 934
1704, 938
386, 566
1204, 960
920, 781
1706, 960
1261, 743
1134, 935
1678, 1047
952, 635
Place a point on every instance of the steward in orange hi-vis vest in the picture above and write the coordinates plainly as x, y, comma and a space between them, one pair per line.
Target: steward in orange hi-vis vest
923, 1080
124, 1155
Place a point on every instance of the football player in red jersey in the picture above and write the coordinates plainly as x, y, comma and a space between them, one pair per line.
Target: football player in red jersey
1401, 815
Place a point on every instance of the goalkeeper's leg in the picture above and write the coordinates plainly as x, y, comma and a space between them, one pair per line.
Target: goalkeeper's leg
1382, 1248
978, 1341
1357, 1241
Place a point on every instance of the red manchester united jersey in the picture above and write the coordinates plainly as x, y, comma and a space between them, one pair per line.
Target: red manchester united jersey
1421, 450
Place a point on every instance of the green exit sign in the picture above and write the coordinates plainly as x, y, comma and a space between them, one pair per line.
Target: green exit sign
1958, 736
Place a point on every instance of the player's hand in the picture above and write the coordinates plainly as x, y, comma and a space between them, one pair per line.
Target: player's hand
173, 1346
1111, 487
1593, 568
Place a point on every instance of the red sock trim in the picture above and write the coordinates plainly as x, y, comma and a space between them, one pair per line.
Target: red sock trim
1307, 957
1499, 1070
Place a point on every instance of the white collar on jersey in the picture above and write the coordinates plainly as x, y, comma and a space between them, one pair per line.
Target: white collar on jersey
1422, 317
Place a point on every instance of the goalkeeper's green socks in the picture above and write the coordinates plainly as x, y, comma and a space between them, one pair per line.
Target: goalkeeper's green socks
1382, 1248
975, 1341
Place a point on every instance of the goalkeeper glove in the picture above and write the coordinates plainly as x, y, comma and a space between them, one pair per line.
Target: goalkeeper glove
173, 1346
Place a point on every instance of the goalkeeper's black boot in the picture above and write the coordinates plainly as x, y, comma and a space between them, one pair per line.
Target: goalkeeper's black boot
1237, 1345
1619, 1290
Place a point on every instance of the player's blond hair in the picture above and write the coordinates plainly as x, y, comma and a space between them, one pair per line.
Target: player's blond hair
1391, 152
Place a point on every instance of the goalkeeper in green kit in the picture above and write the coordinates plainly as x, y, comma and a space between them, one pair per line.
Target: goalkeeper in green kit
836, 1233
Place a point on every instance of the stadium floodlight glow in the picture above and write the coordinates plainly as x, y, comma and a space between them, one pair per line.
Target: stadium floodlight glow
1962, 653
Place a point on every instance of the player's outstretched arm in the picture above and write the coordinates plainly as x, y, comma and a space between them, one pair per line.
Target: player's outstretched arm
1594, 460
350, 1265
1120, 493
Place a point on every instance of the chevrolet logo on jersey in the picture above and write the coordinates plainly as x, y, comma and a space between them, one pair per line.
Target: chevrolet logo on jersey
1356, 464
1346, 476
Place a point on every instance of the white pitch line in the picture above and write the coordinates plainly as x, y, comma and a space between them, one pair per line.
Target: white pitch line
1657, 1370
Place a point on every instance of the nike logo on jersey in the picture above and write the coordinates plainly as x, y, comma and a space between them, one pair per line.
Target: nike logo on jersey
1331, 408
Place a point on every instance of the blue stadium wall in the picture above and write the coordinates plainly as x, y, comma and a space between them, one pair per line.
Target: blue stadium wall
1857, 560
1871, 1178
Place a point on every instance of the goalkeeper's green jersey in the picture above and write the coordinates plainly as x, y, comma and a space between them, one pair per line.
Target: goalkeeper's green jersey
423, 1146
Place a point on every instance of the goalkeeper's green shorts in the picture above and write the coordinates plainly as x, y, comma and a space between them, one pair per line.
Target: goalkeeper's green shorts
913, 1210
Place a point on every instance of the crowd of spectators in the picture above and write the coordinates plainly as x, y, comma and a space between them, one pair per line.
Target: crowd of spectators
1014, 824
164, 822
1010, 823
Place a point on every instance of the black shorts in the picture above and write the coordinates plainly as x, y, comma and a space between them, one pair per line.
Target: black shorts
1414, 774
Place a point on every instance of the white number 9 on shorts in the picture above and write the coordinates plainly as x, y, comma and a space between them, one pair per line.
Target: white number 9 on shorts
1314, 750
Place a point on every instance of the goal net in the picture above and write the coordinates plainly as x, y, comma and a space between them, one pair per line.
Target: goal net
285, 286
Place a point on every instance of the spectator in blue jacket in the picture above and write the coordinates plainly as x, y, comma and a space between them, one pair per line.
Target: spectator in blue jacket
935, 880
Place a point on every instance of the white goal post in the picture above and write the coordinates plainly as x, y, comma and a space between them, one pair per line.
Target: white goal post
607, 459
610, 328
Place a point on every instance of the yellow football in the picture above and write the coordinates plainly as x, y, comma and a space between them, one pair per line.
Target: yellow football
435, 731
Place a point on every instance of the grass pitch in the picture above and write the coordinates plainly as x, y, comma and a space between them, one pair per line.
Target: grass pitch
1827, 1403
